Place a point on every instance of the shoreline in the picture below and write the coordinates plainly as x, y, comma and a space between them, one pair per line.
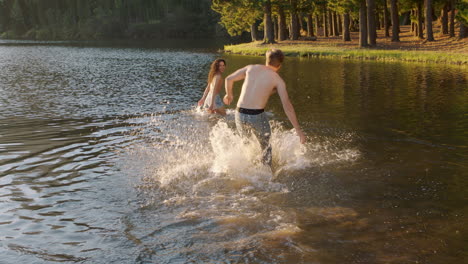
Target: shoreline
444, 50
309, 50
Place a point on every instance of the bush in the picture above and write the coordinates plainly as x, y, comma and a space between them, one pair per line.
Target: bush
10, 34
44, 34
31, 34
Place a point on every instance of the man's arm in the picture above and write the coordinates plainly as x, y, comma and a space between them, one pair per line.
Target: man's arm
289, 109
229, 82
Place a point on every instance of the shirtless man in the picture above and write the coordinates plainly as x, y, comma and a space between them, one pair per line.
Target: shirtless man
260, 83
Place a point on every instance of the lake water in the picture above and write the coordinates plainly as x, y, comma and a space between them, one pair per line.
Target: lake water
105, 159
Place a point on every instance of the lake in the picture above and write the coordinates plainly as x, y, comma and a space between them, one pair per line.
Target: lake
104, 158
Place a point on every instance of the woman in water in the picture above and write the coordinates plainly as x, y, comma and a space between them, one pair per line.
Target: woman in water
211, 99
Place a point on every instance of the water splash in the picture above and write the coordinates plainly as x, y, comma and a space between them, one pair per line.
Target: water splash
192, 151
196, 168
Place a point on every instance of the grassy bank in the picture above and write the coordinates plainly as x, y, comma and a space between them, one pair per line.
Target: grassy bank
312, 50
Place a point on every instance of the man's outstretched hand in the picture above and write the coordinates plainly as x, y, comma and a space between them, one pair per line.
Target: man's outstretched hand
227, 99
301, 135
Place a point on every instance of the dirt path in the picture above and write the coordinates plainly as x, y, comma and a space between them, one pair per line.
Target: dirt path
407, 42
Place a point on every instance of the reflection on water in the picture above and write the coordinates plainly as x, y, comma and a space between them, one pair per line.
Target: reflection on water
103, 158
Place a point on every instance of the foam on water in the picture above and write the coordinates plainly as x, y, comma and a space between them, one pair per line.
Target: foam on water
200, 167
192, 150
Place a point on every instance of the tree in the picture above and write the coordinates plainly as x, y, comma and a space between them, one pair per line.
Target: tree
237, 16
419, 12
395, 21
462, 17
310, 26
371, 26
386, 19
444, 18
363, 24
282, 31
452, 19
344, 7
294, 34
336, 26
346, 33
325, 21
269, 36
428, 21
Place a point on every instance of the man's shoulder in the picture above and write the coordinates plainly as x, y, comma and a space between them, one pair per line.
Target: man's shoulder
254, 66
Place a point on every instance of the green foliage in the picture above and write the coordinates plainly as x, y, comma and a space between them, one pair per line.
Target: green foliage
106, 19
462, 14
238, 15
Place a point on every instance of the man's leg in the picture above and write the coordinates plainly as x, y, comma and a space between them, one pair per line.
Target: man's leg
259, 125
262, 131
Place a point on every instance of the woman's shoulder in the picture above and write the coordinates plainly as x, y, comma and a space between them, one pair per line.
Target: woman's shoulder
217, 77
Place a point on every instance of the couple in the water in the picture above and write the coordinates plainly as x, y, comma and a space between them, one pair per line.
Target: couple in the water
260, 82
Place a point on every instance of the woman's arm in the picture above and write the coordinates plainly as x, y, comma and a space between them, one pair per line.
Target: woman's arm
205, 93
217, 89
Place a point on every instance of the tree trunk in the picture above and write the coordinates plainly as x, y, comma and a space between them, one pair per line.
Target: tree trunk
371, 29
310, 26
428, 22
362, 24
282, 34
294, 27
377, 19
420, 29
299, 25
325, 22
337, 27
386, 19
444, 19
253, 32
293, 21
452, 19
275, 26
463, 30
340, 23
269, 36
317, 25
330, 23
395, 22
346, 34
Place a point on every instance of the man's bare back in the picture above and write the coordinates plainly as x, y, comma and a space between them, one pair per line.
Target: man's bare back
260, 82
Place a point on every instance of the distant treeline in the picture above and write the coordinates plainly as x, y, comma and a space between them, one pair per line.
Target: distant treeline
276, 19
291, 19
107, 19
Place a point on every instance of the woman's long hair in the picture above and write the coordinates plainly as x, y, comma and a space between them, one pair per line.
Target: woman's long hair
214, 69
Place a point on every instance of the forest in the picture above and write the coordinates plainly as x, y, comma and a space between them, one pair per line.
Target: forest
292, 19
270, 20
106, 19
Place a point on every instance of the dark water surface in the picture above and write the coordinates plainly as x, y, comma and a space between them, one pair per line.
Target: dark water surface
104, 159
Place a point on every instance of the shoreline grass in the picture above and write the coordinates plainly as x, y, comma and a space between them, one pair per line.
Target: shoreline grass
313, 51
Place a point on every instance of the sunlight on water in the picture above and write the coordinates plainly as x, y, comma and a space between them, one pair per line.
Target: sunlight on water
103, 160
198, 165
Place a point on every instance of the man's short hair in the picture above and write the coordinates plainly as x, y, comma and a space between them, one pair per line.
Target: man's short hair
274, 57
